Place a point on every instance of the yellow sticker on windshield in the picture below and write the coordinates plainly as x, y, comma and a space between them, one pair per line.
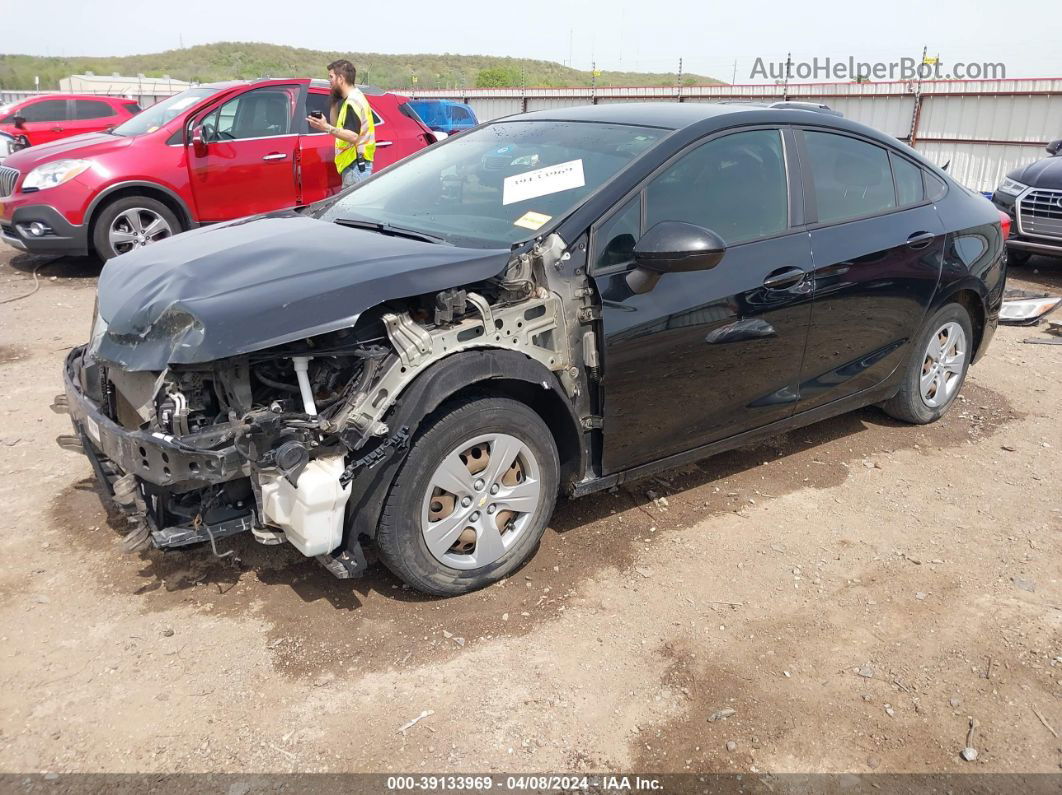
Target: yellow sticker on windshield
530, 220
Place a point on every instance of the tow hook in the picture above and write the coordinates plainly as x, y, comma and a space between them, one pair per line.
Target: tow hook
70, 442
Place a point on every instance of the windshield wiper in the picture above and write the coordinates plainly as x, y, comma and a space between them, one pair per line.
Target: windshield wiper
388, 229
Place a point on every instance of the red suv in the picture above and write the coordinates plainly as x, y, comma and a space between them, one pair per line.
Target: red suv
211, 153
38, 120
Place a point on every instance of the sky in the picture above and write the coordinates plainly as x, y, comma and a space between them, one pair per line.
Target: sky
719, 40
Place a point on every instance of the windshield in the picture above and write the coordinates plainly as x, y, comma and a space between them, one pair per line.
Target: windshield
162, 112
499, 184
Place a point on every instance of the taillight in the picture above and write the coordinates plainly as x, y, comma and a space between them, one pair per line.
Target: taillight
1004, 223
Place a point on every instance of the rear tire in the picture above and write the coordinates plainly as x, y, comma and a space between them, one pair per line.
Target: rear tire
1017, 258
937, 368
131, 223
460, 517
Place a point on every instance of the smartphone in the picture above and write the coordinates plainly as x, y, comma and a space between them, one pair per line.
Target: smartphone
317, 114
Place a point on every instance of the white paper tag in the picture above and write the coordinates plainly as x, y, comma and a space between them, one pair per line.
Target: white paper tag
93, 428
543, 181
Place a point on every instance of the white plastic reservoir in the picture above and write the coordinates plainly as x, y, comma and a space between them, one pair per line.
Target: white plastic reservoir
311, 515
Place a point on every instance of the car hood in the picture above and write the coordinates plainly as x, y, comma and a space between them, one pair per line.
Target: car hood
252, 284
86, 145
1045, 173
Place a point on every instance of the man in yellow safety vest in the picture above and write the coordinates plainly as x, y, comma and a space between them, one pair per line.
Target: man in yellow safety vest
353, 128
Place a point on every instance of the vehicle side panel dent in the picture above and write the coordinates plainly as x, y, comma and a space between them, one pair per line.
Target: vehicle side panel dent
490, 369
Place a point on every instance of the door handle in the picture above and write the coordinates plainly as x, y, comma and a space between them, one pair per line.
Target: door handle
783, 278
920, 240
275, 156
384, 143
57, 129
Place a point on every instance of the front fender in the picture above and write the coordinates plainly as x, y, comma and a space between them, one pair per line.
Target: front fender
462, 372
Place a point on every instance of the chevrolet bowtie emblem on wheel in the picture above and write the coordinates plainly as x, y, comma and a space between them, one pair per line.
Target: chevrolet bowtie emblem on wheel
482, 501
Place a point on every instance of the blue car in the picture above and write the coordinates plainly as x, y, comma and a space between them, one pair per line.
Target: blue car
445, 115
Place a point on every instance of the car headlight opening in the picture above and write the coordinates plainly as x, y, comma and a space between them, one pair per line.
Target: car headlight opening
55, 173
1011, 186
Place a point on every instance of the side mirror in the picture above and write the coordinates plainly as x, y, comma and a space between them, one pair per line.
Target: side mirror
673, 247
198, 141
19, 121
1054, 146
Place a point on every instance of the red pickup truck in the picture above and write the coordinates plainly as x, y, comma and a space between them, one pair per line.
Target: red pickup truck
211, 153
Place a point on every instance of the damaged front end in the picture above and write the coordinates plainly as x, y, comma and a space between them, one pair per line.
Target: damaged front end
270, 441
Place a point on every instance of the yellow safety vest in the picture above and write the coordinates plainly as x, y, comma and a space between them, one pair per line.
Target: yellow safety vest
346, 152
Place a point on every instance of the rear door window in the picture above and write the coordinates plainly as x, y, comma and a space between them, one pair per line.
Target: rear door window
318, 102
850, 178
92, 109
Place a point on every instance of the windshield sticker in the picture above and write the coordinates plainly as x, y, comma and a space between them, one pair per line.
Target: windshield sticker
542, 182
531, 220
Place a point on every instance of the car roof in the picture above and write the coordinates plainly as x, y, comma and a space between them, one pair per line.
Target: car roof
678, 115
707, 116
669, 115
104, 97
440, 101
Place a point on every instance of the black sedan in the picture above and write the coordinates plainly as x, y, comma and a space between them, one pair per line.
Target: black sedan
559, 301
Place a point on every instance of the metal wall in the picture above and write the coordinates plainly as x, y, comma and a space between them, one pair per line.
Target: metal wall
983, 128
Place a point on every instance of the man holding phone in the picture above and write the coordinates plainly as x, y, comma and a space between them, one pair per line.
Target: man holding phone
354, 130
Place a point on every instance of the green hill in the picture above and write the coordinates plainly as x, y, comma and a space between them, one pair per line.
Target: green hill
241, 60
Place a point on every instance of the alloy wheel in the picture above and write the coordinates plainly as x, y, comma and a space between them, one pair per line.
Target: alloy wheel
135, 228
942, 365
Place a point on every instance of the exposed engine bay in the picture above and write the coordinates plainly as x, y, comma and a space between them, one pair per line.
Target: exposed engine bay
271, 441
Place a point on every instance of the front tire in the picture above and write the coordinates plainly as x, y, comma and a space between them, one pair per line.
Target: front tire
131, 223
472, 499
937, 368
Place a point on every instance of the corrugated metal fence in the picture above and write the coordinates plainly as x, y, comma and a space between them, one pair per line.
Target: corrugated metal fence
984, 128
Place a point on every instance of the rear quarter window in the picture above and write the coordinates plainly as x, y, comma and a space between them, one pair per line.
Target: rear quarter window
909, 188
935, 187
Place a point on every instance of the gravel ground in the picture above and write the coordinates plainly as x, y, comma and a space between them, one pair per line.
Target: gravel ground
846, 597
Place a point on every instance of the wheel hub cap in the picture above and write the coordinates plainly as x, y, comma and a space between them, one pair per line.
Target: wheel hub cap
480, 501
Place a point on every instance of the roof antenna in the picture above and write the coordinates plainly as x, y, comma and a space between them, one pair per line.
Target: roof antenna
945, 166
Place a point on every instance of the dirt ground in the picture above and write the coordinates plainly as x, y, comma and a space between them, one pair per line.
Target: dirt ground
855, 592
